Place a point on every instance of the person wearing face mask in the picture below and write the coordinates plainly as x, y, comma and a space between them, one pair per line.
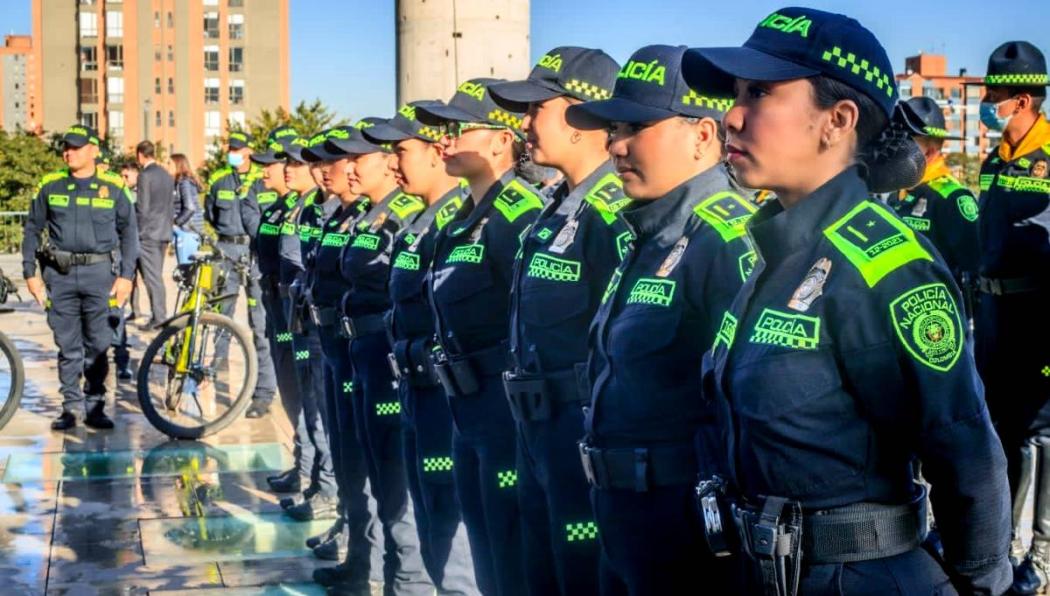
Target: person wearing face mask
844, 358
566, 261
233, 211
1014, 287
469, 292
426, 423
661, 309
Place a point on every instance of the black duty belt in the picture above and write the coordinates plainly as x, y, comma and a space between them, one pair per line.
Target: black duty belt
1012, 285
324, 316
235, 239
639, 469
412, 362
461, 375
535, 396
83, 258
354, 327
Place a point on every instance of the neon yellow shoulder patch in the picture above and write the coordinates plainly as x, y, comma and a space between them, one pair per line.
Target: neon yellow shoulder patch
447, 212
219, 175
607, 198
404, 205
112, 178
875, 241
928, 325
726, 212
945, 186
51, 177
516, 200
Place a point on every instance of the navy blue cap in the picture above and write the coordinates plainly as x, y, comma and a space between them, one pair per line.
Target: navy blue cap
321, 150
352, 142
404, 125
929, 119
582, 73
650, 87
293, 150
79, 135
795, 43
1017, 64
277, 142
473, 103
238, 140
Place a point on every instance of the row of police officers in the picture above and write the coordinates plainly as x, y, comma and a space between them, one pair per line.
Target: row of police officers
647, 382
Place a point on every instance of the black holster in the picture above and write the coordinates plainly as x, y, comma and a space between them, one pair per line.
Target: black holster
456, 376
715, 508
772, 537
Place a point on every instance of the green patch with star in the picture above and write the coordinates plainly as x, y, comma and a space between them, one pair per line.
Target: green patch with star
875, 241
928, 325
726, 212
515, 200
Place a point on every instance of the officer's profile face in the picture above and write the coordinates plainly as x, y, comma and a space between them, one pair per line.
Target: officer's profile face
478, 151
79, 158
297, 176
272, 173
652, 158
548, 135
334, 176
316, 173
418, 163
369, 173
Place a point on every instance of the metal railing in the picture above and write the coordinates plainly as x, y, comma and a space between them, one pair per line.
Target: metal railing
11, 224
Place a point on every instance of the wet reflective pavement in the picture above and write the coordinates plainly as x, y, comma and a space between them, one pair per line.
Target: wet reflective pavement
128, 511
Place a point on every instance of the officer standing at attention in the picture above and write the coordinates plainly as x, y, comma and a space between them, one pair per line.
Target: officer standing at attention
940, 207
683, 267
426, 422
560, 275
88, 259
844, 358
469, 289
231, 208
1015, 288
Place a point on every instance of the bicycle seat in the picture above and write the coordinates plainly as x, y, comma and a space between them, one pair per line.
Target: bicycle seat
6, 309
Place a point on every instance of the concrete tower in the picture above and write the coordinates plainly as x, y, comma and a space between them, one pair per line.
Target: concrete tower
443, 42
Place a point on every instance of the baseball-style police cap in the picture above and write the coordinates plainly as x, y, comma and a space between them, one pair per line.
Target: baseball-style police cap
293, 151
471, 103
795, 43
581, 73
404, 125
650, 87
277, 142
321, 150
238, 140
79, 135
353, 142
1017, 64
925, 119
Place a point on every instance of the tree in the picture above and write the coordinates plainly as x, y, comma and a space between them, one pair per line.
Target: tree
24, 159
307, 118
969, 166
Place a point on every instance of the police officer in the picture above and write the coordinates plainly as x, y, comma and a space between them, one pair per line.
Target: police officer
844, 357
686, 261
469, 289
89, 258
1015, 287
560, 275
940, 207
233, 211
324, 288
426, 421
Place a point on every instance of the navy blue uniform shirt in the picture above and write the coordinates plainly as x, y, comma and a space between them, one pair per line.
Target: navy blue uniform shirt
230, 205
268, 238
324, 281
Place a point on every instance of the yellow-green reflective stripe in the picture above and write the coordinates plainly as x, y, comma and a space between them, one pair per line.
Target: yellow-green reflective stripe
875, 256
726, 212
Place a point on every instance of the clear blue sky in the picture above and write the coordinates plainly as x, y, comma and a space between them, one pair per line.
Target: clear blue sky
343, 50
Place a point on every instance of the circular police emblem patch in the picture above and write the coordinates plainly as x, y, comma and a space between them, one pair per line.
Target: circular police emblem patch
968, 207
927, 323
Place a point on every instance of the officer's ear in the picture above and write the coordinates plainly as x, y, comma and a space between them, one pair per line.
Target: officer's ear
502, 143
435, 151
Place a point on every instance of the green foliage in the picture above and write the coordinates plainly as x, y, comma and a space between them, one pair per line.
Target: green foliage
24, 159
970, 168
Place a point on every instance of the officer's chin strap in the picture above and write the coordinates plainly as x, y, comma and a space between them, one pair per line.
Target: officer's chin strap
777, 546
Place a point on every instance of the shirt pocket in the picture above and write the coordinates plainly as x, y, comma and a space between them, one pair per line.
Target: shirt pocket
642, 344
226, 210
466, 293
104, 222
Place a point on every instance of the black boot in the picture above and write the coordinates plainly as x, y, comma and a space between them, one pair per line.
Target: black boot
335, 530
1030, 576
65, 421
97, 418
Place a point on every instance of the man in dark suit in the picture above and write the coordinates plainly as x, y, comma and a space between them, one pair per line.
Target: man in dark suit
155, 209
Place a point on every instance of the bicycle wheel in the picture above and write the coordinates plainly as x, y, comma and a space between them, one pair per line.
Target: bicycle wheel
12, 379
211, 390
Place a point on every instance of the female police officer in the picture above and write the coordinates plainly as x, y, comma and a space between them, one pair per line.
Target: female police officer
684, 266
469, 291
844, 356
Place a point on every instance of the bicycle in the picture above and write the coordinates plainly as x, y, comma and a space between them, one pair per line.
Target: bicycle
190, 372
12, 370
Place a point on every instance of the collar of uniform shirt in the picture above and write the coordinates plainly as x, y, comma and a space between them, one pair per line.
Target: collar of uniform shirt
428, 216
665, 219
781, 231
569, 202
1036, 137
481, 204
935, 169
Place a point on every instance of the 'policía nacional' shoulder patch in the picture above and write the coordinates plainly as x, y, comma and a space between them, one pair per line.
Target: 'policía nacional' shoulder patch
875, 241
927, 322
726, 212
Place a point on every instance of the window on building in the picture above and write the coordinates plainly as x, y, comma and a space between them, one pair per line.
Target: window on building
89, 119
236, 25
88, 90
236, 3
116, 123
87, 2
211, 57
157, 54
236, 92
114, 23
171, 20
956, 93
115, 55
171, 118
905, 89
238, 119
211, 90
236, 59
156, 86
210, 2
171, 85
115, 89
157, 119
88, 24
974, 91
212, 124
211, 25
171, 53
156, 19
88, 58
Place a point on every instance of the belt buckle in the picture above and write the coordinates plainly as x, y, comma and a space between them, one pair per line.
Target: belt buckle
348, 326
588, 465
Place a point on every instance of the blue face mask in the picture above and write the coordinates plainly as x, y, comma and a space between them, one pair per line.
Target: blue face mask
234, 159
990, 116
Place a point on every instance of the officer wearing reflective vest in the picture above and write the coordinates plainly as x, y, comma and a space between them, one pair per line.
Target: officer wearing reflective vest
844, 358
1014, 288
87, 260
426, 422
682, 268
469, 289
561, 272
940, 207
233, 211
365, 268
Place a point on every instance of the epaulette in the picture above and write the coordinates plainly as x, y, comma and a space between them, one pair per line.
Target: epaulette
875, 241
404, 205
448, 211
51, 177
945, 185
219, 175
607, 197
515, 200
726, 212
110, 177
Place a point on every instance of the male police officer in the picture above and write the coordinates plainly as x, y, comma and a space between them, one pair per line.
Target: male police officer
1015, 286
232, 209
88, 258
